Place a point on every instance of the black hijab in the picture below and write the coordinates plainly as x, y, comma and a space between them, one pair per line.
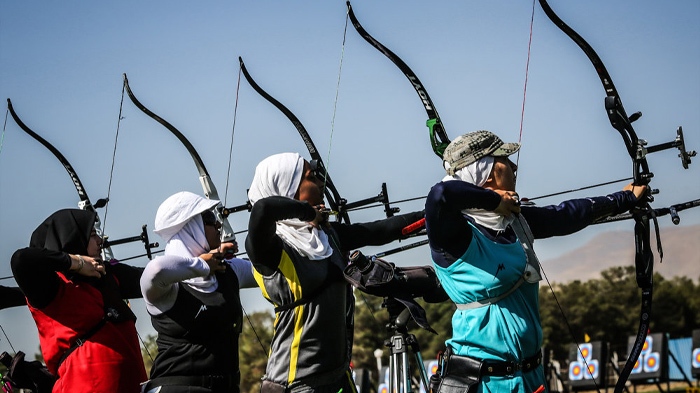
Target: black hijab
66, 230
69, 231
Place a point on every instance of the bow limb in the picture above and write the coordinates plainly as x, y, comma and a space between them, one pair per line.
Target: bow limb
84, 203
438, 138
210, 191
619, 120
334, 200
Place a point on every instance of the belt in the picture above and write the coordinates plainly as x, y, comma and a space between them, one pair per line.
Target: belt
509, 368
466, 365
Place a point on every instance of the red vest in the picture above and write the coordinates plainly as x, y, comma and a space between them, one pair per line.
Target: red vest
110, 360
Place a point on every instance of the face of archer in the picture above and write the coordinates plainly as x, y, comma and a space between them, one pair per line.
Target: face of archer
502, 175
311, 186
94, 247
212, 229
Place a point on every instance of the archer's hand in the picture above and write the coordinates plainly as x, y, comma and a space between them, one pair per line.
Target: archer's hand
638, 191
87, 266
321, 218
228, 249
215, 260
510, 203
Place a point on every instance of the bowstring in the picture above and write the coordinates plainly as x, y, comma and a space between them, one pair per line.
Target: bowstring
335, 107
8, 339
114, 156
109, 191
517, 161
4, 126
228, 175
335, 102
233, 131
527, 73
255, 332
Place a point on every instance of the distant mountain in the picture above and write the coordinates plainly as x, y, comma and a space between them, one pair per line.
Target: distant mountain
681, 246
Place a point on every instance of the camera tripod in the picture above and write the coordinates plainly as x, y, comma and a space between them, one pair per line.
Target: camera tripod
400, 344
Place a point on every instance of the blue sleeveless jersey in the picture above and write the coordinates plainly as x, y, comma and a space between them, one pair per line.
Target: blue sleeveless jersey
508, 330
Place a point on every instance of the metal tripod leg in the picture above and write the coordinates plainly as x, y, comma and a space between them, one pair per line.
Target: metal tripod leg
399, 364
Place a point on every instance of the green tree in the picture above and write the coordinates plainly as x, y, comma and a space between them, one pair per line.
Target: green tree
607, 309
601, 309
149, 350
675, 307
439, 316
370, 330
253, 349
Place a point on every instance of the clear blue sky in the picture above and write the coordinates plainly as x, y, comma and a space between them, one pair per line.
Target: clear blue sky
61, 63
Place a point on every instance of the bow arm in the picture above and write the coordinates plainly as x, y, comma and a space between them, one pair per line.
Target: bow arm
438, 138
210, 191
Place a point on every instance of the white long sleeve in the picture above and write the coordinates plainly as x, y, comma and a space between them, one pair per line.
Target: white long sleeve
161, 276
244, 270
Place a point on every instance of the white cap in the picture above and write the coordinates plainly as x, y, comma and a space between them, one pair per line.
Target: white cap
177, 210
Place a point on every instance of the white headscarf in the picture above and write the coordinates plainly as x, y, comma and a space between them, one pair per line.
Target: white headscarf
179, 223
280, 175
477, 173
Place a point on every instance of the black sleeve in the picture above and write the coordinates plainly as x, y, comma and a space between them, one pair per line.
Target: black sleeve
374, 233
11, 297
575, 214
448, 230
129, 278
35, 272
264, 247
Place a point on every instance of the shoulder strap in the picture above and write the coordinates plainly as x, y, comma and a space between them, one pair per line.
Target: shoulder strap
531, 273
522, 231
81, 340
116, 310
491, 300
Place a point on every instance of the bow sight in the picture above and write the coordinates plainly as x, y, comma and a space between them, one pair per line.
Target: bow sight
678, 143
143, 237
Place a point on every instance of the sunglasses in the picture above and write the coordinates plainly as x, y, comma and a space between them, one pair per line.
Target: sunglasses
209, 218
318, 170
